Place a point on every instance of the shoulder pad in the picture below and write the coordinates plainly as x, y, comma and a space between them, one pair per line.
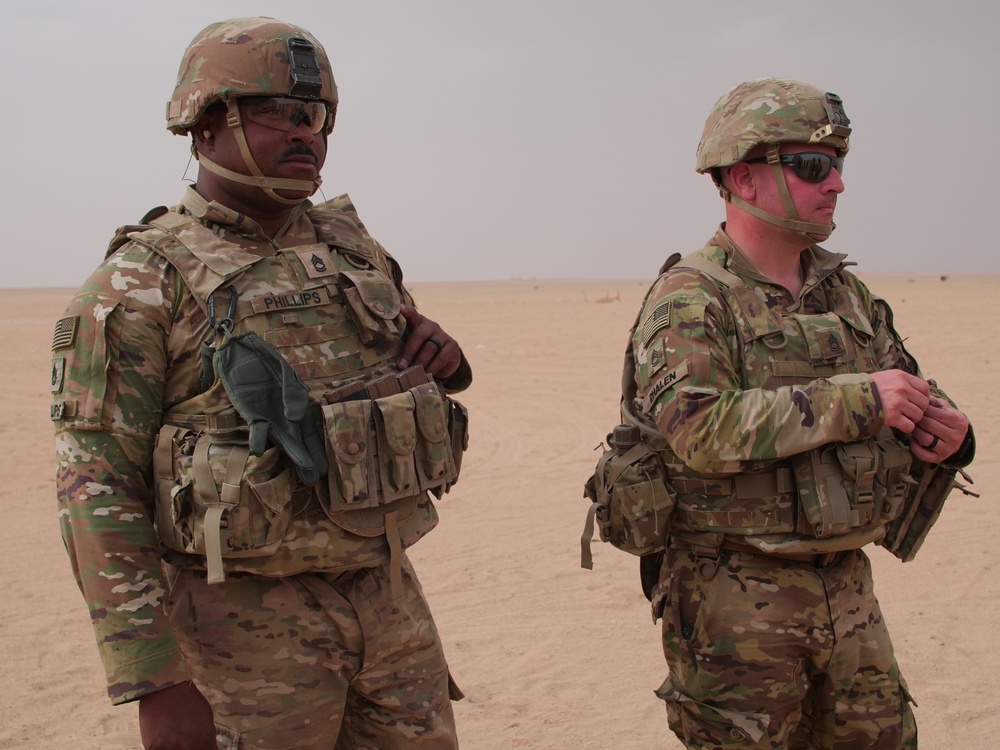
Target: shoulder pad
122, 233
337, 224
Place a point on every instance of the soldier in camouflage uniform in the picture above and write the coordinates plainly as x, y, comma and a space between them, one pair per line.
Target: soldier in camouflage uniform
250, 415
790, 420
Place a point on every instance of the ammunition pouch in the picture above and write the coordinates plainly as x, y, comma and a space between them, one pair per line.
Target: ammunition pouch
631, 500
217, 499
395, 445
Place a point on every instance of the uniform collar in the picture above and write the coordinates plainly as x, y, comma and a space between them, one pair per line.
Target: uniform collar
213, 212
819, 263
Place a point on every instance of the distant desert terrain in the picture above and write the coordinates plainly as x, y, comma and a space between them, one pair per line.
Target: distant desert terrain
550, 656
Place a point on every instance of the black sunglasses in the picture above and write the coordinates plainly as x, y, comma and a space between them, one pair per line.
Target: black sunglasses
811, 166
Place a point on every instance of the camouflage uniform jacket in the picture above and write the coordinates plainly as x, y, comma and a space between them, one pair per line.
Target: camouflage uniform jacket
127, 353
722, 414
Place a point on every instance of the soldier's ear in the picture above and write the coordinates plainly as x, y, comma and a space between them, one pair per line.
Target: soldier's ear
741, 181
204, 131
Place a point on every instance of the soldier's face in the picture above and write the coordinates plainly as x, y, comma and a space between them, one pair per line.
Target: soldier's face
296, 154
815, 201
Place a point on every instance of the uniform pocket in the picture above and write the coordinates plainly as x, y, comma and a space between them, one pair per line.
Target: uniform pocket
702, 725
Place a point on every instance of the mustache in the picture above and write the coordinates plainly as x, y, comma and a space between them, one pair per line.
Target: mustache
299, 150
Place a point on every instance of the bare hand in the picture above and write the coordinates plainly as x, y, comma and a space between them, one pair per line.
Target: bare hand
940, 433
176, 718
904, 398
428, 345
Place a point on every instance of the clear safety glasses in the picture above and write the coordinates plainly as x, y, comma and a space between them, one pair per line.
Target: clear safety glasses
282, 113
811, 166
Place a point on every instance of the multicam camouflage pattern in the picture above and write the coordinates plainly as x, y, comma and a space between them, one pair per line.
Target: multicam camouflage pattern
770, 111
308, 646
796, 382
771, 653
127, 353
732, 391
236, 58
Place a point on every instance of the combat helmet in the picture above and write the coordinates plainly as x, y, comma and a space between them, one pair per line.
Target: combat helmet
244, 57
769, 112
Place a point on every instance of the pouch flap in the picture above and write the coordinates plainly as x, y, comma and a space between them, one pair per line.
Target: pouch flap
346, 427
376, 291
432, 417
400, 432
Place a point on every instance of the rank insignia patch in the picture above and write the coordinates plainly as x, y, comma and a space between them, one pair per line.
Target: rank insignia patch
58, 372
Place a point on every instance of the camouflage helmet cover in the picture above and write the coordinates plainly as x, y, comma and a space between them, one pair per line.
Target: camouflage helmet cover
771, 111
249, 57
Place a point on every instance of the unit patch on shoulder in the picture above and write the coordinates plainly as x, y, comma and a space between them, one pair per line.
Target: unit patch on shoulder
657, 320
65, 334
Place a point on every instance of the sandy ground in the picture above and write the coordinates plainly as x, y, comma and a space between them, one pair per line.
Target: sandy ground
550, 656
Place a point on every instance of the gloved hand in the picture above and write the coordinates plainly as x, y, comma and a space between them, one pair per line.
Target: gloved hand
272, 398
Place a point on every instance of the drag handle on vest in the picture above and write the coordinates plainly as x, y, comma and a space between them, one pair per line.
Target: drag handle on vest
273, 400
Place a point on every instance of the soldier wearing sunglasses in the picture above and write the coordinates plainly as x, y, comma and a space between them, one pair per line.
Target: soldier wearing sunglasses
251, 419
793, 429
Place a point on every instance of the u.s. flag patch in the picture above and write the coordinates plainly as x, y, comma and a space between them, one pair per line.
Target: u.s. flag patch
65, 334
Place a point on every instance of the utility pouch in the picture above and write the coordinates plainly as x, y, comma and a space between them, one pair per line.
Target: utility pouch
214, 498
373, 302
921, 507
844, 487
631, 500
823, 492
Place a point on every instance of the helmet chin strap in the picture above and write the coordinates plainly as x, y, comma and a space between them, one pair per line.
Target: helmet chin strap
257, 178
809, 231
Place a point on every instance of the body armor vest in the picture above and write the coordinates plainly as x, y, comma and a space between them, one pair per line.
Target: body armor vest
838, 496
332, 311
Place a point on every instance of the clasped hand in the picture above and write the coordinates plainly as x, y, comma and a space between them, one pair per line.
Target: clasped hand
428, 345
937, 429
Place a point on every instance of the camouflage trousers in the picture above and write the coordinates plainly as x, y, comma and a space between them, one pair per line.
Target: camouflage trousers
316, 661
771, 653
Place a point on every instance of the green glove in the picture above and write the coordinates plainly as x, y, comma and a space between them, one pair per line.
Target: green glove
272, 398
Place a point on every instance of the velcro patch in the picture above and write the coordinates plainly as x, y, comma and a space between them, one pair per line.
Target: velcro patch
317, 262
64, 335
657, 320
58, 373
62, 410
312, 298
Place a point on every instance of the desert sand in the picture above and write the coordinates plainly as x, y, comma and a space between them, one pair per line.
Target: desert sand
550, 656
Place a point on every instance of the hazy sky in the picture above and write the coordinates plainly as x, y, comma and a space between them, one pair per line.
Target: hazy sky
523, 138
